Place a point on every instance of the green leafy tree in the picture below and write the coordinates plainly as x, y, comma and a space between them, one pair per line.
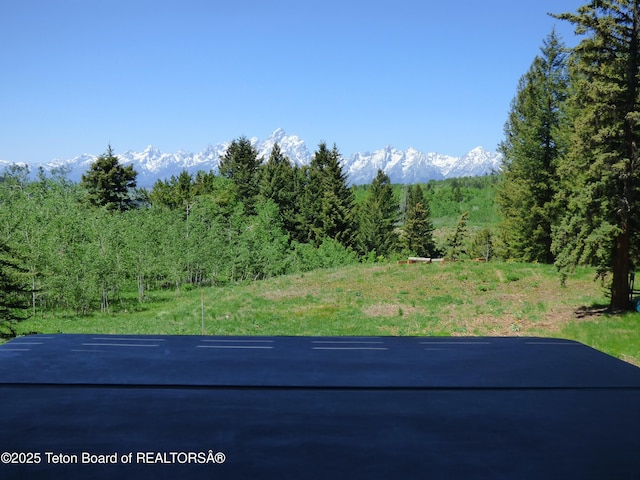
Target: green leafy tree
535, 138
110, 184
417, 232
105, 257
241, 165
377, 218
147, 233
266, 242
600, 174
482, 245
456, 191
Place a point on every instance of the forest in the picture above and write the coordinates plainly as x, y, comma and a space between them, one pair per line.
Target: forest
568, 195
85, 246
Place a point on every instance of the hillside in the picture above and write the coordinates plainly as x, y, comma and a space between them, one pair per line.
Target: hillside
463, 298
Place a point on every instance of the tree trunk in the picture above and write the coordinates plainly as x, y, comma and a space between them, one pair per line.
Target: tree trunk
104, 306
33, 292
141, 283
620, 288
620, 284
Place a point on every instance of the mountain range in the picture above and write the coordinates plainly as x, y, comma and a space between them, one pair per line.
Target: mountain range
402, 166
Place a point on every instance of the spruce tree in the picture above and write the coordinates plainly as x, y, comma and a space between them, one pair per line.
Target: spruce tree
177, 193
377, 218
457, 241
14, 291
241, 165
277, 184
273, 180
417, 232
534, 140
109, 183
329, 210
204, 183
600, 174
297, 220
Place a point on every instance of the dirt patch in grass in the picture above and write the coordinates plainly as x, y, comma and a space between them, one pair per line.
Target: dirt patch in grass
509, 323
389, 310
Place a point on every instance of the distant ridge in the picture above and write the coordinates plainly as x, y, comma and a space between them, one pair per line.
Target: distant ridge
402, 166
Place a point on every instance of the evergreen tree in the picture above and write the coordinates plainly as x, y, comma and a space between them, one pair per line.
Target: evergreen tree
241, 165
110, 184
177, 193
534, 142
297, 220
377, 218
458, 240
14, 291
600, 173
204, 183
277, 183
328, 209
417, 232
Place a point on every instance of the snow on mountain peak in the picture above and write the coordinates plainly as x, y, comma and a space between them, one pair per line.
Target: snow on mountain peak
278, 135
408, 166
291, 145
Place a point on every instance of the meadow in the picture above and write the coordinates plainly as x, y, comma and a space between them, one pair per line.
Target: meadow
463, 298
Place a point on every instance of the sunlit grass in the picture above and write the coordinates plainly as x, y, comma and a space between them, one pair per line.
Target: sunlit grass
463, 298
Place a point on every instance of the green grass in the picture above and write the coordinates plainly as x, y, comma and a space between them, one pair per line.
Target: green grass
616, 335
463, 298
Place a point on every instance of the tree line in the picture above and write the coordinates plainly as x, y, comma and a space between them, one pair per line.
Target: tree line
81, 247
570, 185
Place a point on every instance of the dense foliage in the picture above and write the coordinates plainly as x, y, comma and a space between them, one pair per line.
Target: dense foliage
378, 218
534, 142
418, 228
600, 174
571, 171
14, 291
73, 255
110, 184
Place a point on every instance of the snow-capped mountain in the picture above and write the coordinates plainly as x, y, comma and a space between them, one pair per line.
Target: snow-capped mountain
402, 166
408, 166
291, 145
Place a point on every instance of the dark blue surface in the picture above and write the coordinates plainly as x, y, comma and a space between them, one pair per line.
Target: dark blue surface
317, 407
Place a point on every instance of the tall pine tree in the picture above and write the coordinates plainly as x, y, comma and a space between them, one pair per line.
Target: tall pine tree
109, 183
328, 209
534, 140
241, 165
14, 291
600, 174
377, 218
417, 232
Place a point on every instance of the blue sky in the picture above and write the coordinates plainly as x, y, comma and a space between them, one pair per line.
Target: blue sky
182, 74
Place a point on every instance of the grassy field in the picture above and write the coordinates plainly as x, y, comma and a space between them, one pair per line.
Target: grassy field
459, 299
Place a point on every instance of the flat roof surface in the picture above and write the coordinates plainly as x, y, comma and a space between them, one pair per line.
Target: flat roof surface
315, 407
